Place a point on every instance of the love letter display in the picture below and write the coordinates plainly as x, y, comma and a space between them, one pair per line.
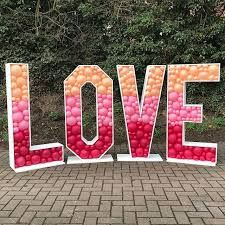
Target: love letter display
179, 150
140, 119
22, 155
89, 151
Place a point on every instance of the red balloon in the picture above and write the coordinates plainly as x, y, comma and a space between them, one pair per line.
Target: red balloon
197, 151
107, 139
49, 159
20, 161
178, 147
99, 144
46, 153
132, 127
18, 136
208, 156
139, 152
28, 163
95, 153
134, 143
103, 130
23, 150
188, 154
76, 129
172, 153
147, 128
177, 129
35, 159
84, 154
139, 134
71, 139
172, 138
55, 156
80, 145
144, 142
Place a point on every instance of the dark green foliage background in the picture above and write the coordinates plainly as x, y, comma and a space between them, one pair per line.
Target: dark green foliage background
54, 36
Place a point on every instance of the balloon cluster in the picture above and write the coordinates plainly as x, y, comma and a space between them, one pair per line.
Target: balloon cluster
75, 142
21, 123
177, 112
140, 124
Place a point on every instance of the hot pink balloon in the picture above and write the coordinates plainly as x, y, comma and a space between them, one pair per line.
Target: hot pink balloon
145, 118
173, 96
23, 125
70, 101
71, 120
17, 117
22, 105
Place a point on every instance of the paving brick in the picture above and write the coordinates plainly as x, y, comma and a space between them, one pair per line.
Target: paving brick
114, 193
110, 220
57, 220
129, 218
163, 221
27, 217
181, 218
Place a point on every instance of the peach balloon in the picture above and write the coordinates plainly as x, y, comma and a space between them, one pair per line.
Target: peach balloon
16, 92
16, 70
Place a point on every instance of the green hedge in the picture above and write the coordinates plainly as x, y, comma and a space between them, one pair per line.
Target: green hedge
54, 36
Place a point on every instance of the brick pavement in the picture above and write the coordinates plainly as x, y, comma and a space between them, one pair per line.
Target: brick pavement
114, 193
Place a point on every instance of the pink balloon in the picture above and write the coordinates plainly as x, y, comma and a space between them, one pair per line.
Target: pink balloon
23, 125
194, 113
183, 113
173, 117
129, 110
134, 118
71, 120
17, 117
25, 112
106, 121
173, 96
76, 111
15, 109
103, 112
106, 103
145, 119
22, 105
70, 101
132, 99
15, 129
176, 105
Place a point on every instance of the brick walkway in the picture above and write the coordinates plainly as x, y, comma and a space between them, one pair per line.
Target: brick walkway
114, 193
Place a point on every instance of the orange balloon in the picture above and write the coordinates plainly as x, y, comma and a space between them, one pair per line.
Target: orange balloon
102, 89
71, 80
107, 82
95, 79
75, 91
21, 81
16, 70
178, 87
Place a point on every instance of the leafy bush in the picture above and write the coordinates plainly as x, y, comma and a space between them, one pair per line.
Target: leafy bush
54, 36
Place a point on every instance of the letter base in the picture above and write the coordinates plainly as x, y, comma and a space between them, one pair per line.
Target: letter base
190, 161
129, 158
76, 160
38, 166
